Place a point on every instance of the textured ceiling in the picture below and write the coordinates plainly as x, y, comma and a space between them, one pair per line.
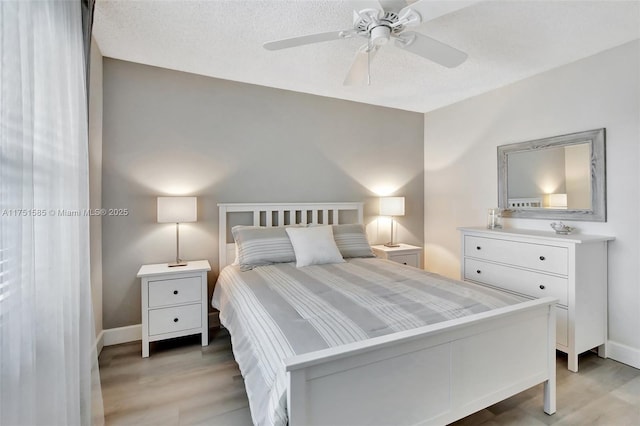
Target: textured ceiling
506, 41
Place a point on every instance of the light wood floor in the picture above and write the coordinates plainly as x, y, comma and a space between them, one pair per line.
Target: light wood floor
183, 383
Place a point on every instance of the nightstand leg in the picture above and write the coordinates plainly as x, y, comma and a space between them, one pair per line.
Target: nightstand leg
572, 361
145, 347
205, 337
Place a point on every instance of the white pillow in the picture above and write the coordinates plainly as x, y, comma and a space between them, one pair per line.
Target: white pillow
314, 245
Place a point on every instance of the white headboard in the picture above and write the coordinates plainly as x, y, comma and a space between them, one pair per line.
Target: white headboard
280, 214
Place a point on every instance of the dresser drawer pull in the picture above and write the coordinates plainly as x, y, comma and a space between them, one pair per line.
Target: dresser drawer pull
175, 291
404, 263
478, 248
542, 257
541, 287
175, 320
478, 271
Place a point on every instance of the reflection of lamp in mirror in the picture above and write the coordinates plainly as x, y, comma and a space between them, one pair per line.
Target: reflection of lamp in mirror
558, 201
392, 206
177, 210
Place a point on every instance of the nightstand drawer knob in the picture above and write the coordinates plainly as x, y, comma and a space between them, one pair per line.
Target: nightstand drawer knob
542, 257
478, 271
404, 263
478, 248
175, 320
175, 291
541, 287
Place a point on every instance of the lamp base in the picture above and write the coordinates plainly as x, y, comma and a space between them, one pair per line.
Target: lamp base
174, 264
392, 245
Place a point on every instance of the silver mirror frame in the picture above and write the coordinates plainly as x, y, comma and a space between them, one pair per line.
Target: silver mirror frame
598, 211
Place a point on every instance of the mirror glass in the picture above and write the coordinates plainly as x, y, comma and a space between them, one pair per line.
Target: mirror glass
554, 178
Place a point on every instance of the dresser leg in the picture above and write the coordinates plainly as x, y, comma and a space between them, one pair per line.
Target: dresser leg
205, 337
603, 351
572, 361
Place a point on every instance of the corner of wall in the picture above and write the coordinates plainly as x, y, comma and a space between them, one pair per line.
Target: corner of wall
95, 184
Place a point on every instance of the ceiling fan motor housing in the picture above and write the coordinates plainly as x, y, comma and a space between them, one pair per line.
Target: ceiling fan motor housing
376, 25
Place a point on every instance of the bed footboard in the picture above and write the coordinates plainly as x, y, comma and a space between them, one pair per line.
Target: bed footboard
431, 375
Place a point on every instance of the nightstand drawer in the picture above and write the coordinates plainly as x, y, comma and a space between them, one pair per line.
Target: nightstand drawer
174, 291
533, 256
405, 259
517, 280
168, 320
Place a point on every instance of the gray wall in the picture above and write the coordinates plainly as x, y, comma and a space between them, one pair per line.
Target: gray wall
173, 133
461, 169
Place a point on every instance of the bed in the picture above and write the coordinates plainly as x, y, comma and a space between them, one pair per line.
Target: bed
365, 341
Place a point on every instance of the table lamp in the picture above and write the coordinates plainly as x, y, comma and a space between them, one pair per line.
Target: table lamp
177, 210
392, 206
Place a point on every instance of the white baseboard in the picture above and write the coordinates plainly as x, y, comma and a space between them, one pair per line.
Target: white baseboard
115, 336
99, 342
133, 333
624, 354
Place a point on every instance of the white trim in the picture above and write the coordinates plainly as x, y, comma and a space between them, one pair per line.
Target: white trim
115, 336
133, 333
624, 354
99, 342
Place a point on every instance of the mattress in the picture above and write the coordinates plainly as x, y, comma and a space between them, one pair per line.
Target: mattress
275, 312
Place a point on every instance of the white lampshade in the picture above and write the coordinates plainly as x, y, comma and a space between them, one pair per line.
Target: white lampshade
392, 206
557, 200
177, 209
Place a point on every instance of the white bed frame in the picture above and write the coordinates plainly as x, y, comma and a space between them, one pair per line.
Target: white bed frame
430, 375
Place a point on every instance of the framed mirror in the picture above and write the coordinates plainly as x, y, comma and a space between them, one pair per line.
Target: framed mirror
561, 177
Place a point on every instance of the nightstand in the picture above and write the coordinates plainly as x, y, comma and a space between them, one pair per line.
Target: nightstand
405, 254
174, 302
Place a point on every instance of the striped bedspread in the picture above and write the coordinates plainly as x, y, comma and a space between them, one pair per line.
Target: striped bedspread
278, 311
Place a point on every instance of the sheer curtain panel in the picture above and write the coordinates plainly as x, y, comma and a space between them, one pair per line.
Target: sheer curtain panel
48, 365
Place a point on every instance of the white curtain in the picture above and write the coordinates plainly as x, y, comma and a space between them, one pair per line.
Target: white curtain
48, 365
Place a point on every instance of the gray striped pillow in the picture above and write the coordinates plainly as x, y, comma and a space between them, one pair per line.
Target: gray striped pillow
351, 240
259, 245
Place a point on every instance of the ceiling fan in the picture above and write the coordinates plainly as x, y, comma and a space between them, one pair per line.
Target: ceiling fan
379, 26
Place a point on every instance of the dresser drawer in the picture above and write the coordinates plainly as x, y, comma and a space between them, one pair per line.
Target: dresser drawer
527, 255
405, 259
174, 291
167, 320
529, 283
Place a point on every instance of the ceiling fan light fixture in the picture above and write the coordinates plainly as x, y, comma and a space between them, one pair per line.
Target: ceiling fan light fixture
380, 35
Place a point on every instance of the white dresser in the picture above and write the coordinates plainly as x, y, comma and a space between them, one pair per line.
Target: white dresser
571, 268
174, 302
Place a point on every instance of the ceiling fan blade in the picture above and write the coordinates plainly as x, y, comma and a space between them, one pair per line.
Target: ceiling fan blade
393, 5
359, 72
429, 9
307, 39
431, 49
